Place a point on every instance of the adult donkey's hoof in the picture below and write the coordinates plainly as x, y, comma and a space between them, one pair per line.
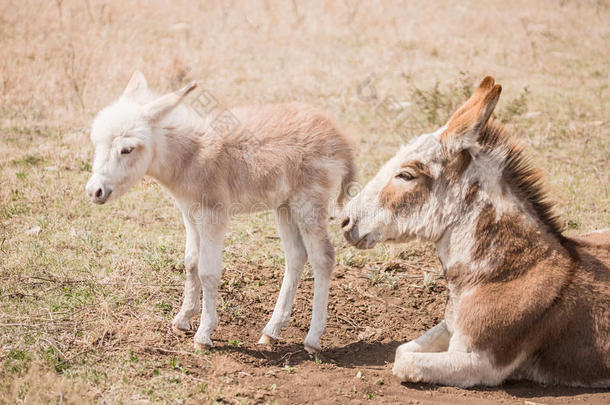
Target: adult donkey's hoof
405, 368
266, 340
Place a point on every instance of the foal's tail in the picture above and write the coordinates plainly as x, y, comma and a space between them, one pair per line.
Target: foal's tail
348, 181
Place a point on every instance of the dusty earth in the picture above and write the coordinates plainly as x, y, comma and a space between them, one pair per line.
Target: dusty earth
369, 316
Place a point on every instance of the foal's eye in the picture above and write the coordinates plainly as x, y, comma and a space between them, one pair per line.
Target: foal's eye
126, 151
405, 176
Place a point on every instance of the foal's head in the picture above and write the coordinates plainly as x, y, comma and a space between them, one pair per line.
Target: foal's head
123, 140
423, 188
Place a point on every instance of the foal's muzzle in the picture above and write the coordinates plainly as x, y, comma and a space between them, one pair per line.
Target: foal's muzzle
97, 191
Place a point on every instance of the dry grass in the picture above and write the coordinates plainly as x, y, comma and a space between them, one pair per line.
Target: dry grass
86, 301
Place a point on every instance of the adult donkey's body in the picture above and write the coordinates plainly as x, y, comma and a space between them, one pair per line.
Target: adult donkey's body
524, 300
288, 157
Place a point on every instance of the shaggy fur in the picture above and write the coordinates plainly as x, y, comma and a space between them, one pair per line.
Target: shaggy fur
524, 300
289, 158
519, 174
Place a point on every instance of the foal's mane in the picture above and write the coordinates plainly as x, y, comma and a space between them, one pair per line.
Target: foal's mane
521, 176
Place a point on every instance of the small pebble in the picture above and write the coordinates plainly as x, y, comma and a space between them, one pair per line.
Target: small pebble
34, 231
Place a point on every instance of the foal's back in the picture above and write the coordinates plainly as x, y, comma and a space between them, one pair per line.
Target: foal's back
286, 149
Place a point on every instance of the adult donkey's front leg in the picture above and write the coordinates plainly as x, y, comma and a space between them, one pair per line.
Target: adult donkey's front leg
191, 305
435, 339
427, 359
211, 235
462, 369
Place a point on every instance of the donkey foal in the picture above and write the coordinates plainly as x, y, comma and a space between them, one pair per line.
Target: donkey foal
286, 157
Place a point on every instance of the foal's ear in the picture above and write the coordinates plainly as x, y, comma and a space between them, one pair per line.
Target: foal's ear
155, 110
465, 124
137, 84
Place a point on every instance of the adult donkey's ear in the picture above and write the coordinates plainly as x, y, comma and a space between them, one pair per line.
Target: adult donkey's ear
137, 85
465, 124
155, 110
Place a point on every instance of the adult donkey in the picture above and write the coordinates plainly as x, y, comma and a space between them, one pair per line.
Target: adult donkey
286, 157
525, 301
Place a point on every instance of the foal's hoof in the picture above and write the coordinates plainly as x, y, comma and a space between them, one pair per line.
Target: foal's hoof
266, 340
181, 331
202, 346
312, 344
311, 349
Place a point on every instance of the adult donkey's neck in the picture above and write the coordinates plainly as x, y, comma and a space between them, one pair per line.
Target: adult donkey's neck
508, 223
485, 245
495, 241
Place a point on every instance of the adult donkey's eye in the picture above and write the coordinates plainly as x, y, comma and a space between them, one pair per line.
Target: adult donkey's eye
405, 176
126, 151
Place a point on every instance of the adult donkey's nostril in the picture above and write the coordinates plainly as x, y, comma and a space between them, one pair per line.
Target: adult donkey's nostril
98, 193
345, 222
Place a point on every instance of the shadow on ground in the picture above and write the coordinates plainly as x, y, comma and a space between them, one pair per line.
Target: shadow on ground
378, 355
349, 356
519, 389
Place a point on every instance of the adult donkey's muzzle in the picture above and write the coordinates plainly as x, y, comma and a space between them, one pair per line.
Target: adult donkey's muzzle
351, 232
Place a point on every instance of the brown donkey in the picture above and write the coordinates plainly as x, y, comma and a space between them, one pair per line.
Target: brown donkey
525, 302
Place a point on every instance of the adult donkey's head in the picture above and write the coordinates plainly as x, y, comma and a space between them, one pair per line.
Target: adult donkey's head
425, 187
123, 137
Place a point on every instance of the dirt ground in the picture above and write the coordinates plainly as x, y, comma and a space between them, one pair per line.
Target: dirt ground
366, 324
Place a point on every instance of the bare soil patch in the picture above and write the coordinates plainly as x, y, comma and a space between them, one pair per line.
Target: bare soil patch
366, 324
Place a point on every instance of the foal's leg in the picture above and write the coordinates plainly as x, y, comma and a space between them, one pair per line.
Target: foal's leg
321, 253
211, 237
296, 256
191, 305
434, 340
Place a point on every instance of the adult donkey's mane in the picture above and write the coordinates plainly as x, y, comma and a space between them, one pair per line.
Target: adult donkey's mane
524, 180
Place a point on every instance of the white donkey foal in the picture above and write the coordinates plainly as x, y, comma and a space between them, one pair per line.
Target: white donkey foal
286, 157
